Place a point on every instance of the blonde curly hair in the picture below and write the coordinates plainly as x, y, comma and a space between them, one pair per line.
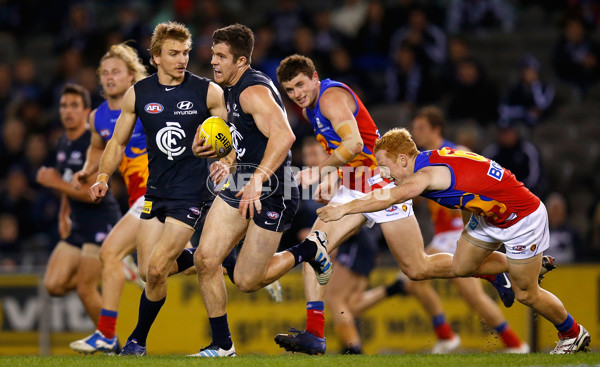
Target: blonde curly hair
129, 56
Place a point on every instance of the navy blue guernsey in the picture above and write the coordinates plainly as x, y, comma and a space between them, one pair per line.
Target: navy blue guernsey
170, 116
249, 142
70, 157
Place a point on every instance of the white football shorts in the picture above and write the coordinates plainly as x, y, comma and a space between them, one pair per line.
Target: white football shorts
136, 208
394, 212
525, 239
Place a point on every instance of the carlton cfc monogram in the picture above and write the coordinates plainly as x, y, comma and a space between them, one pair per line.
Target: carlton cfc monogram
167, 138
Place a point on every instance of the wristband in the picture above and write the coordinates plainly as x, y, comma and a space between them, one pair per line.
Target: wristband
102, 177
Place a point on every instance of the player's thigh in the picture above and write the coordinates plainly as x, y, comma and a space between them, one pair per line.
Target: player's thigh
89, 270
174, 237
149, 231
121, 240
259, 246
224, 228
470, 254
62, 265
341, 230
405, 241
524, 273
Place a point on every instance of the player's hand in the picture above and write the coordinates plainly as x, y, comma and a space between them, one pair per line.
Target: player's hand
202, 151
64, 227
250, 198
326, 189
219, 171
308, 176
331, 213
79, 177
98, 190
48, 176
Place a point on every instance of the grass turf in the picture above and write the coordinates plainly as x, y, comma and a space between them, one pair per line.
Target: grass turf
421, 360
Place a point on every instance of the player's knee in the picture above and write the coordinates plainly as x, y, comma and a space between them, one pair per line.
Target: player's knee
155, 274
55, 289
247, 285
462, 271
108, 256
526, 297
415, 272
205, 263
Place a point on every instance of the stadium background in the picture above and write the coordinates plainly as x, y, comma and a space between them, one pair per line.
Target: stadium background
395, 65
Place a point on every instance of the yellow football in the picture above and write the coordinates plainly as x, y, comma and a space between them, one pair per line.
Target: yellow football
214, 131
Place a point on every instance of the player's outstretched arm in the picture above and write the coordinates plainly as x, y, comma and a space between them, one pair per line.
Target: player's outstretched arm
381, 199
113, 153
92, 159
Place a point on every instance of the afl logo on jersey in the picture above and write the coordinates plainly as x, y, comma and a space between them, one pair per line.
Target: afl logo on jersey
185, 105
154, 108
167, 139
105, 133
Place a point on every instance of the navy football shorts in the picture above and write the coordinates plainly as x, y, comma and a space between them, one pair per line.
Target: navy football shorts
276, 214
358, 253
186, 211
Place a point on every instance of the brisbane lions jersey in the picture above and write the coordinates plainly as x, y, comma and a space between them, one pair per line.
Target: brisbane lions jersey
445, 219
170, 115
361, 173
134, 165
480, 186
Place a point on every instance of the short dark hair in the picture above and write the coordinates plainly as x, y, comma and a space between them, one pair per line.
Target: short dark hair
77, 89
239, 38
434, 115
293, 65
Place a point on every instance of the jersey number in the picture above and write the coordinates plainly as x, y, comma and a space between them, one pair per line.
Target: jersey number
447, 152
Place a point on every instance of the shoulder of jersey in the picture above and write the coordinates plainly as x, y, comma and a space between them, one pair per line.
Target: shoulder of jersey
144, 82
195, 77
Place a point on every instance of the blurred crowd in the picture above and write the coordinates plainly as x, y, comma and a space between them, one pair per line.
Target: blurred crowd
406, 53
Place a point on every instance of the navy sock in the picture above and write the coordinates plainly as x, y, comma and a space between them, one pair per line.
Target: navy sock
304, 251
220, 332
229, 263
395, 288
146, 316
185, 259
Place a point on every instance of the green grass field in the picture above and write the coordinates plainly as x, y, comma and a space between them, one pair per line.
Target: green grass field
420, 360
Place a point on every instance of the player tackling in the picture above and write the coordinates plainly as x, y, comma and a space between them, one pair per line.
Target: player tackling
501, 210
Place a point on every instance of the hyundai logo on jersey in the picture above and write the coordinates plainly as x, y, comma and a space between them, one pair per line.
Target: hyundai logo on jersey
185, 105
154, 108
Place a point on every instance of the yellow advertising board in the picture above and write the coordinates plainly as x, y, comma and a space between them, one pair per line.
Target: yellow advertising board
398, 324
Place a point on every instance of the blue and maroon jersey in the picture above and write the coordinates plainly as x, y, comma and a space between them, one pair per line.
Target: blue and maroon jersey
444, 219
134, 165
361, 173
480, 186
